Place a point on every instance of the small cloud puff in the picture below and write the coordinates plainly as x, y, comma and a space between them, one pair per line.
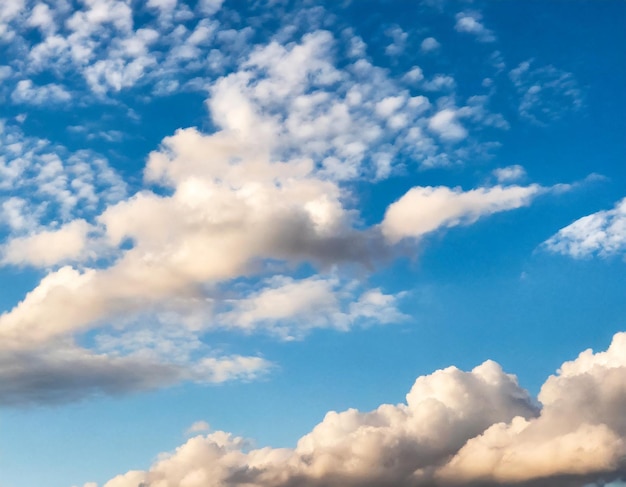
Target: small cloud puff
509, 174
470, 23
430, 44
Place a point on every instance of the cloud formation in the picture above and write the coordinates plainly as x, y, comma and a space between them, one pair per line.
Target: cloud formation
602, 234
425, 209
455, 428
264, 193
470, 23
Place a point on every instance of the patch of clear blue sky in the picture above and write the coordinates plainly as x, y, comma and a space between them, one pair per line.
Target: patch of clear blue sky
475, 292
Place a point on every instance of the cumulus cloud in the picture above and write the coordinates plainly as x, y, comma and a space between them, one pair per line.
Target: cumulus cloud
445, 124
455, 428
602, 234
470, 23
425, 209
581, 430
509, 174
430, 44
399, 38
26, 92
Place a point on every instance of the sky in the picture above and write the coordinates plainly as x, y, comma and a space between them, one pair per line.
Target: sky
271, 244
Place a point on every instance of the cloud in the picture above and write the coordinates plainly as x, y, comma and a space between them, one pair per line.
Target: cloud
62, 372
455, 428
290, 307
599, 234
48, 247
444, 123
198, 427
264, 193
581, 429
425, 209
509, 174
430, 44
399, 38
470, 23
27, 93
546, 93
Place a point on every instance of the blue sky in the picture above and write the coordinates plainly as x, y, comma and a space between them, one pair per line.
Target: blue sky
258, 243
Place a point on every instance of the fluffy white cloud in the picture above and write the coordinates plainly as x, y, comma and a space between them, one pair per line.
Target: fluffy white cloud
399, 38
446, 125
425, 209
26, 92
581, 429
470, 22
48, 247
456, 428
602, 233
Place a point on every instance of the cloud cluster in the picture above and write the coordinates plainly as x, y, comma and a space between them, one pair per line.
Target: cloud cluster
263, 194
456, 428
43, 187
602, 233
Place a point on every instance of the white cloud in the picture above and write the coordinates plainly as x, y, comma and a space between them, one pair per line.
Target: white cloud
48, 247
399, 38
414, 75
602, 233
198, 427
509, 174
581, 429
445, 124
290, 307
425, 209
455, 428
430, 44
26, 92
55, 185
470, 22
9, 12
41, 17
439, 82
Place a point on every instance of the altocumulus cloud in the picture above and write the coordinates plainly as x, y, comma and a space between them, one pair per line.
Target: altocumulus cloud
455, 428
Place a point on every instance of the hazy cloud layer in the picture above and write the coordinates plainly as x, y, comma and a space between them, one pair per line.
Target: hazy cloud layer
456, 428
